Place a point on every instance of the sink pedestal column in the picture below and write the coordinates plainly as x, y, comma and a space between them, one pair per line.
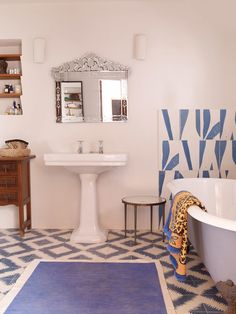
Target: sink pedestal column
89, 230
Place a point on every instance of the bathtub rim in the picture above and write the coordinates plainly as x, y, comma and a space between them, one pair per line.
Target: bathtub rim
170, 183
198, 214
212, 220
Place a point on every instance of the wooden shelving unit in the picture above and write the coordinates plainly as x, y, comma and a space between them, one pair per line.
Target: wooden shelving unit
10, 57
14, 65
10, 76
12, 95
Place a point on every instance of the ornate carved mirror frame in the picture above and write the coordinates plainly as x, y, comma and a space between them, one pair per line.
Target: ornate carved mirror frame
93, 65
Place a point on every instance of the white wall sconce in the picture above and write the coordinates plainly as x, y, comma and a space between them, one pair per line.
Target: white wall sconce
39, 49
140, 46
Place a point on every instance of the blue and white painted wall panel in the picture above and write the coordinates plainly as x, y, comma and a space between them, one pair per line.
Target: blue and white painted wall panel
196, 143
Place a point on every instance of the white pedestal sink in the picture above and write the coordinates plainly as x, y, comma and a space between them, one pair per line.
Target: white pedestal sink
88, 167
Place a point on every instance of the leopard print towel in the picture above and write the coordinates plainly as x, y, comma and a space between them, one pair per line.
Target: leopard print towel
176, 231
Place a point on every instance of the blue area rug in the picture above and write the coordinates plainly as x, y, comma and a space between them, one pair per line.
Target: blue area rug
91, 288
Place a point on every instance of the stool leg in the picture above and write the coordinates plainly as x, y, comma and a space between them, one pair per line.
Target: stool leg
125, 219
151, 216
135, 223
163, 223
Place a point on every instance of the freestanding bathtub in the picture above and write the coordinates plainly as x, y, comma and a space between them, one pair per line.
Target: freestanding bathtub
212, 233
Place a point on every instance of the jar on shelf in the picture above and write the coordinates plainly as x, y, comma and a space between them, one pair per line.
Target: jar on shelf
11, 89
3, 66
6, 89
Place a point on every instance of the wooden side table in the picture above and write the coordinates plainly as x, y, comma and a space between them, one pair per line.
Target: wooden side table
143, 201
15, 187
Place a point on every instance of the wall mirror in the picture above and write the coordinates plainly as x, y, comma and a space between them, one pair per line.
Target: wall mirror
91, 89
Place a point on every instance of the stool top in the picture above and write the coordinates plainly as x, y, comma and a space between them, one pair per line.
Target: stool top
143, 200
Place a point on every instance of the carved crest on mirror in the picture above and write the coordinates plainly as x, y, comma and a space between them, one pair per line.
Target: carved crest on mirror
87, 63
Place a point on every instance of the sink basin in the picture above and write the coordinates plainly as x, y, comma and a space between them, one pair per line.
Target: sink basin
85, 163
87, 167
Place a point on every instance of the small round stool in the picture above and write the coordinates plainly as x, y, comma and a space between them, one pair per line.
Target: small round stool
144, 201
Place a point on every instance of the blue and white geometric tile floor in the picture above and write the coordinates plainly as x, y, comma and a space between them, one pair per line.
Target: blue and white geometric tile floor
198, 295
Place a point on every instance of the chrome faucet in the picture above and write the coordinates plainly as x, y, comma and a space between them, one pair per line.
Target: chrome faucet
80, 148
100, 147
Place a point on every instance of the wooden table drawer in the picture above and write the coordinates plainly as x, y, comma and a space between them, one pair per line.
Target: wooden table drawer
8, 168
9, 197
8, 181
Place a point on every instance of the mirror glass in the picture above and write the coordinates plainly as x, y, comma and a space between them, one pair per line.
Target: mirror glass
91, 89
71, 102
113, 100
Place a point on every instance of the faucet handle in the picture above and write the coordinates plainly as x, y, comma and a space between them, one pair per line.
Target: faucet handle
100, 146
80, 148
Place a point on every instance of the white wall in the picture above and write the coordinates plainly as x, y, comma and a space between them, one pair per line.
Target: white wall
191, 62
